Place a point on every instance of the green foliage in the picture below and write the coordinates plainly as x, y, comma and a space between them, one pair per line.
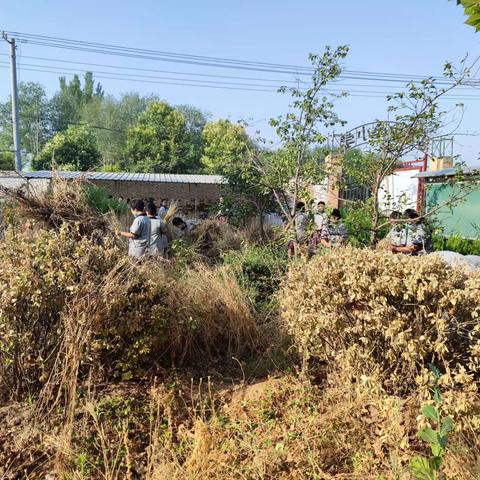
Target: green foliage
456, 243
75, 149
286, 172
358, 221
100, 199
33, 107
226, 146
234, 207
157, 143
259, 271
415, 118
195, 121
430, 468
68, 103
472, 10
7, 161
113, 117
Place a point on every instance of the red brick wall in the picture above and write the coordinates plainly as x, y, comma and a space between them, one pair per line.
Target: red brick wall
190, 196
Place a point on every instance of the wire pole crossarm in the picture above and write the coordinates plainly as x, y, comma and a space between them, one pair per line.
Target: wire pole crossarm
15, 116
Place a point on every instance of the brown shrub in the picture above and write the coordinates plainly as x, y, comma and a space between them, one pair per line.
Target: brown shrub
65, 204
386, 317
135, 316
212, 238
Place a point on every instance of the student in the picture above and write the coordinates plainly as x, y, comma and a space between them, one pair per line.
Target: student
334, 234
158, 237
183, 228
320, 219
222, 211
300, 225
320, 216
162, 211
398, 233
418, 238
139, 234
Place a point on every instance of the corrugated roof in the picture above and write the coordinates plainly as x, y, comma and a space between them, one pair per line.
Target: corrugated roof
130, 177
448, 172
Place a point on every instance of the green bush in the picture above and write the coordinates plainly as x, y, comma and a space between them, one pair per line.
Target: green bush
259, 271
356, 217
100, 199
456, 243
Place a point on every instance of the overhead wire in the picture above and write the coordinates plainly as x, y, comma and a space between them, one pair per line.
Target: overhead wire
212, 61
282, 81
211, 84
203, 60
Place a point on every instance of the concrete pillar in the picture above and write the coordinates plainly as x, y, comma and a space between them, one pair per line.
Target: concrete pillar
440, 163
334, 167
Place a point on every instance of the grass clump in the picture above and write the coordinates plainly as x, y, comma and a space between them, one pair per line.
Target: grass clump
259, 270
133, 317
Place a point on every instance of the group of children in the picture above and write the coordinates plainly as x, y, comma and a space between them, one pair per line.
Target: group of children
148, 232
328, 230
147, 235
408, 235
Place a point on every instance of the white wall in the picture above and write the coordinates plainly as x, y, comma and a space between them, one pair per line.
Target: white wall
12, 180
399, 190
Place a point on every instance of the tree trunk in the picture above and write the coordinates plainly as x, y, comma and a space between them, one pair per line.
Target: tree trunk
374, 216
262, 231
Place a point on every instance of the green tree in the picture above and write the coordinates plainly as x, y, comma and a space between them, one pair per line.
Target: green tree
110, 119
286, 172
34, 119
158, 141
227, 149
226, 146
472, 10
415, 118
67, 104
74, 149
195, 121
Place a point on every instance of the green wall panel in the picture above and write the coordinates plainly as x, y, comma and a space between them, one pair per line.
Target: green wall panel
464, 217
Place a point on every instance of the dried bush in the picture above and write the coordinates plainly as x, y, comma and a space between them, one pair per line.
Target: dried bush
212, 238
69, 202
138, 316
387, 317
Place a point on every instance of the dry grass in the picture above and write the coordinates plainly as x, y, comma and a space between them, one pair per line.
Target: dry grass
281, 428
64, 204
211, 238
105, 358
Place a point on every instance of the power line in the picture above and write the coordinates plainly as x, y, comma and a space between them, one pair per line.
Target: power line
156, 70
208, 61
259, 87
220, 85
281, 81
153, 82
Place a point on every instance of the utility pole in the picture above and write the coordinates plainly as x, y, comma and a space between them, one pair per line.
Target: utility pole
15, 117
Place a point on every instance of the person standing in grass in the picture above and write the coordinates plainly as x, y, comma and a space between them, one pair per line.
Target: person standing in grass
139, 233
162, 211
418, 238
320, 219
300, 226
398, 232
158, 236
334, 233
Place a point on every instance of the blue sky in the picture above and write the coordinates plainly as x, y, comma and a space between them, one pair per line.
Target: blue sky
412, 37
